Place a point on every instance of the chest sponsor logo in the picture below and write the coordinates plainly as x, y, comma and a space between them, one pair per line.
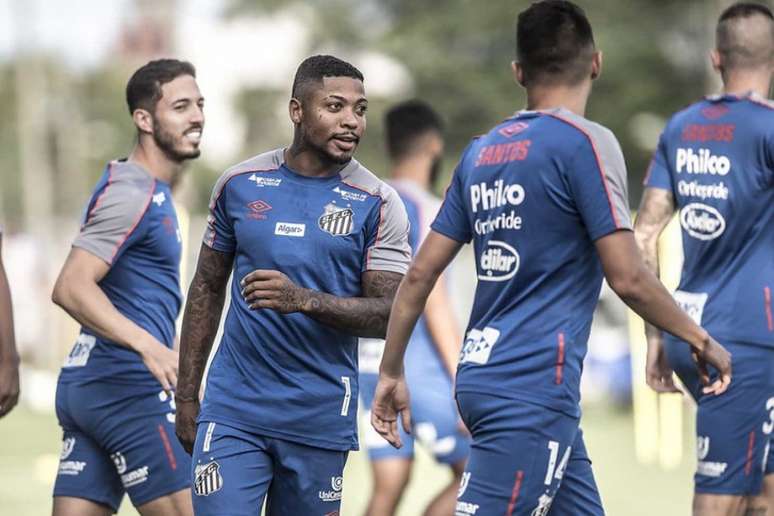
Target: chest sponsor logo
701, 162
264, 181
79, 355
499, 262
334, 494
502, 221
484, 197
478, 345
258, 209
290, 229
701, 191
702, 221
159, 198
207, 479
351, 196
336, 221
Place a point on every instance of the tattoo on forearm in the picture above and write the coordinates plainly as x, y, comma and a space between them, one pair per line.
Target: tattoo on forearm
365, 316
202, 315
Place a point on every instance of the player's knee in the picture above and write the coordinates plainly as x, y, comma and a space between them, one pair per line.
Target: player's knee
718, 505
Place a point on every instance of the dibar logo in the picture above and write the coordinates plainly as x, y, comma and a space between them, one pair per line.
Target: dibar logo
257, 209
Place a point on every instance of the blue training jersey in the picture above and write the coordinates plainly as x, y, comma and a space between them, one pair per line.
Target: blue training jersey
717, 159
288, 376
131, 224
534, 194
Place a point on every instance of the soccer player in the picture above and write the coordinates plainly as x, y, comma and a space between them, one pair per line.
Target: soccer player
9, 358
715, 165
121, 282
318, 246
543, 196
415, 145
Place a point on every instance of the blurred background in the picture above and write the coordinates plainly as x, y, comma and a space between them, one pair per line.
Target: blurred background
63, 70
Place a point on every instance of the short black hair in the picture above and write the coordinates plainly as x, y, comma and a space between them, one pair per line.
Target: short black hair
554, 43
405, 122
143, 90
313, 69
738, 47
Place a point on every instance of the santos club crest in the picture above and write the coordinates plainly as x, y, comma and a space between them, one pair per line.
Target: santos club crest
336, 221
208, 479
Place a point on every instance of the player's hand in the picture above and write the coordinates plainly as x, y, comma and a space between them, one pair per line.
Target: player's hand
714, 354
161, 362
186, 412
9, 384
271, 289
390, 400
658, 372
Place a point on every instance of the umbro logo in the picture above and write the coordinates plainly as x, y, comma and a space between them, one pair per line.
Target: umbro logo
257, 209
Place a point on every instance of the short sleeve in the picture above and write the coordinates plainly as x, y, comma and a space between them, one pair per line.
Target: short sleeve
658, 175
112, 222
219, 233
387, 247
597, 177
452, 220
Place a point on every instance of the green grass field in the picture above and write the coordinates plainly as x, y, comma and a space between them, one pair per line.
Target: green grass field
30, 442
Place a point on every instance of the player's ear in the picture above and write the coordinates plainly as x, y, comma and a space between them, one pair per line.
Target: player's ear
143, 120
596, 64
295, 111
518, 73
716, 60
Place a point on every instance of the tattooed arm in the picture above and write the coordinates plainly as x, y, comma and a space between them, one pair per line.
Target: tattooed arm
655, 211
200, 324
364, 316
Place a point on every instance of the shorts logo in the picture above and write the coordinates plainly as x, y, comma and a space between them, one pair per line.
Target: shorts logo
463, 484
67, 447
81, 351
702, 447
290, 229
120, 462
465, 509
207, 479
702, 221
334, 495
336, 221
257, 209
478, 345
499, 262
159, 199
264, 181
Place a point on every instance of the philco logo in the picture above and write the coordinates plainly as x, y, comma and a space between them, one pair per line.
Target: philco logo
702, 221
499, 262
289, 229
334, 495
500, 194
701, 162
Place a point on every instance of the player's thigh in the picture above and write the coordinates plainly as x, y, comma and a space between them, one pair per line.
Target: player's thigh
734, 430
85, 471
517, 459
174, 504
578, 494
436, 422
307, 480
231, 473
69, 506
138, 430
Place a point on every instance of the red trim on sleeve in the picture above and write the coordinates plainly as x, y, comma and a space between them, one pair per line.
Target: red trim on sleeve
515, 492
136, 222
599, 164
559, 358
167, 447
101, 195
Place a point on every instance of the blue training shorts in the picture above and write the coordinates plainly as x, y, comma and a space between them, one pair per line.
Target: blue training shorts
436, 424
734, 431
118, 440
525, 460
234, 471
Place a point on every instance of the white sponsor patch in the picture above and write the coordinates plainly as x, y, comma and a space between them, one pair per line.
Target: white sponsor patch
334, 494
67, 447
264, 181
79, 355
207, 479
159, 198
499, 262
135, 477
692, 303
711, 469
701, 191
701, 162
702, 221
465, 509
290, 229
71, 467
484, 197
119, 461
478, 345
702, 447
351, 196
